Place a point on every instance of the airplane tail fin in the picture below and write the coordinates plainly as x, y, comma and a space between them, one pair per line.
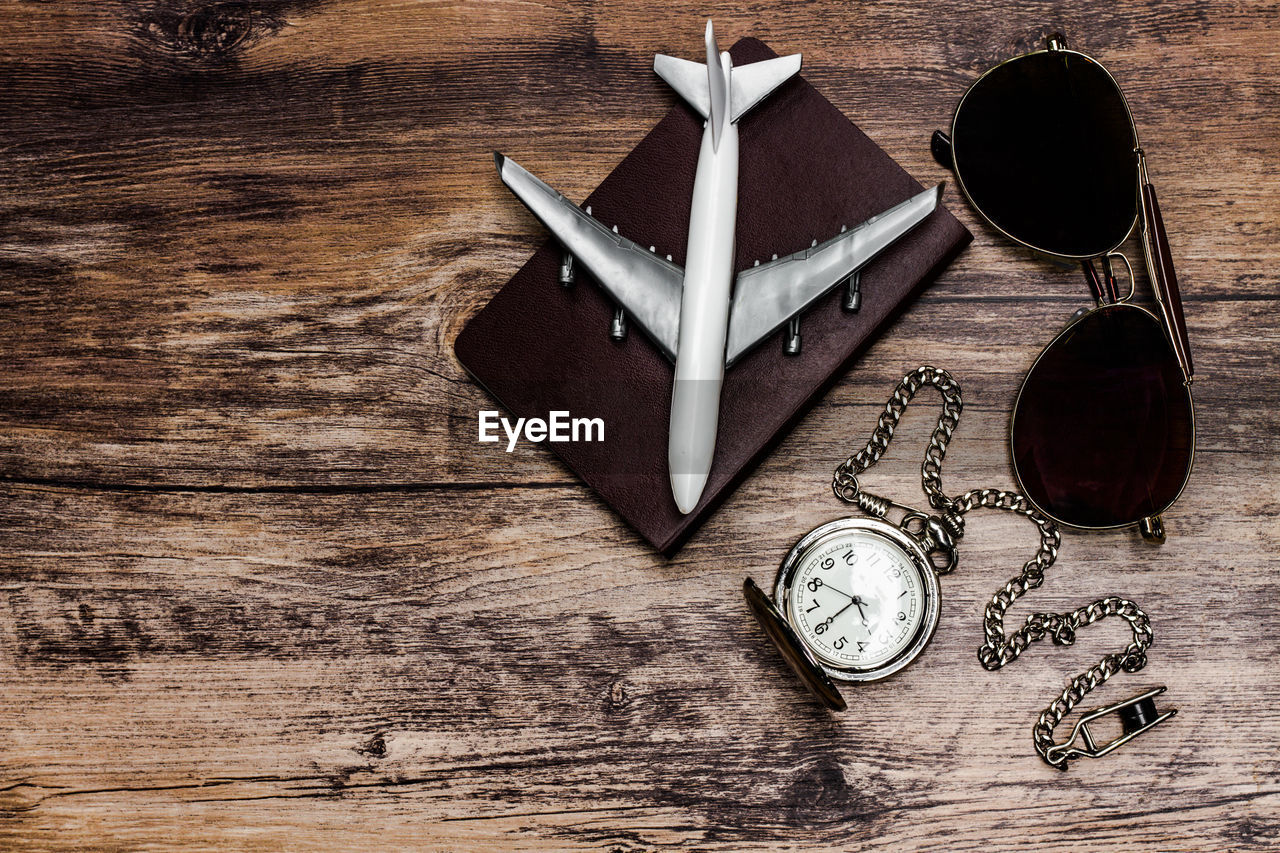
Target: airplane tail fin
748, 85
719, 70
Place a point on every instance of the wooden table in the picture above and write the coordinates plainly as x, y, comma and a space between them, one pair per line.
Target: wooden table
260, 587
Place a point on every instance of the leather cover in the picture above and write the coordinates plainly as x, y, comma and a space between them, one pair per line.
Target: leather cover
805, 170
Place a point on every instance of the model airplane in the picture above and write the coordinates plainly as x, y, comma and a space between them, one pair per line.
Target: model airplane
691, 314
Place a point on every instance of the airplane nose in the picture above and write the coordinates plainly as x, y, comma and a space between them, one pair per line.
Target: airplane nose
687, 489
695, 411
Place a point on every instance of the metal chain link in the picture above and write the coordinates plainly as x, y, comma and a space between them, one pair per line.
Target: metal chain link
999, 648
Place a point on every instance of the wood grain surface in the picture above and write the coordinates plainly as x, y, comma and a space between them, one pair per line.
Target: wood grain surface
260, 588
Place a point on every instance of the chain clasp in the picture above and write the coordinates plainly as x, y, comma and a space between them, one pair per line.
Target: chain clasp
937, 534
1137, 714
937, 537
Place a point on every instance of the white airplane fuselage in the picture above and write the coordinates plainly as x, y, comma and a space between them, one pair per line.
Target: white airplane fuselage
694, 315
704, 308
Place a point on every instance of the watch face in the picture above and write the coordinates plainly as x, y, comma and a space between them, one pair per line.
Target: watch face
857, 599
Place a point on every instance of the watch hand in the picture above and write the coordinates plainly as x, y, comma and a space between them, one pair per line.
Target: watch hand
837, 589
857, 599
849, 596
827, 622
833, 616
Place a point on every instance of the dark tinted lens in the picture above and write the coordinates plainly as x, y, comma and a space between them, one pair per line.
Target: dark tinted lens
1103, 431
1044, 148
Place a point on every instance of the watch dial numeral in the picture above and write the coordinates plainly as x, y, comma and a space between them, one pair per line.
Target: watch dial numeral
851, 557
839, 644
813, 584
814, 607
902, 617
862, 647
826, 564
820, 628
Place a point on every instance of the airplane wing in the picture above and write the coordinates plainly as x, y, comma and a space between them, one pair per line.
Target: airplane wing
767, 295
647, 286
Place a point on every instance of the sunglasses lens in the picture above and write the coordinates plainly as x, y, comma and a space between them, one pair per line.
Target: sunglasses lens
1103, 432
1044, 147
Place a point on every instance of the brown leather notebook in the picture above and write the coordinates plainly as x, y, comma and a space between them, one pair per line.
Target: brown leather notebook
805, 171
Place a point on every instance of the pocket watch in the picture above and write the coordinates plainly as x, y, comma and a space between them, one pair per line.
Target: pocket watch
856, 599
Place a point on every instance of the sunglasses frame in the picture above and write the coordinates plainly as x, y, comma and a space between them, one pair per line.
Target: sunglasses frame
1055, 45
1152, 526
1104, 290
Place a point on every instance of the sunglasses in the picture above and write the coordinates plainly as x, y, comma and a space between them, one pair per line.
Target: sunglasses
1045, 149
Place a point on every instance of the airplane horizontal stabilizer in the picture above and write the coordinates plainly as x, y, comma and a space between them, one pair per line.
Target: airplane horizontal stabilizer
753, 83
689, 79
750, 84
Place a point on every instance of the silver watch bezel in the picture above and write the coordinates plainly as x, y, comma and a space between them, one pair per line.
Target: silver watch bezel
928, 584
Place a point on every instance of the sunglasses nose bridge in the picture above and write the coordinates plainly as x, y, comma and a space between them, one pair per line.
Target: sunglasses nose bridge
1104, 287
1129, 269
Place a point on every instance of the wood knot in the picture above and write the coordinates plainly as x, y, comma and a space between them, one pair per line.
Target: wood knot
375, 747
617, 698
210, 30
216, 28
820, 794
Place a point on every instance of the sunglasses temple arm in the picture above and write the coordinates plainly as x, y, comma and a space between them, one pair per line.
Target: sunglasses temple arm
1103, 287
1155, 246
1095, 285
1109, 277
